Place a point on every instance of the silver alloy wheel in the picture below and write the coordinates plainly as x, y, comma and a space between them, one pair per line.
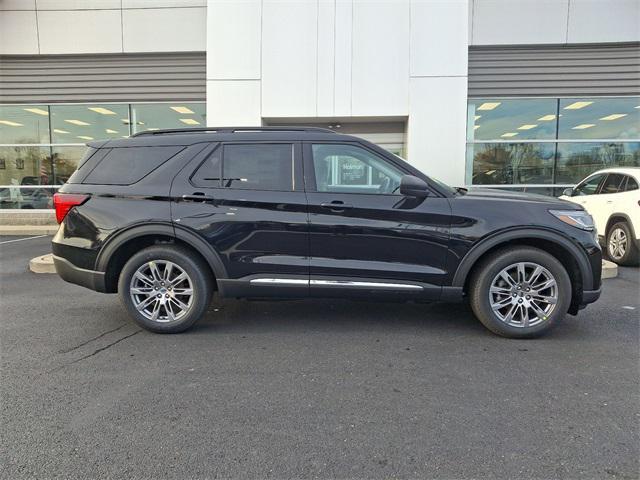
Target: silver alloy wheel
617, 243
523, 294
161, 291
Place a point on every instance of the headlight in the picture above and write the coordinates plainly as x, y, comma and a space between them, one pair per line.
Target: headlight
576, 218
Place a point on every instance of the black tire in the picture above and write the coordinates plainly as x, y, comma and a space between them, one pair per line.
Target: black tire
198, 278
630, 256
489, 268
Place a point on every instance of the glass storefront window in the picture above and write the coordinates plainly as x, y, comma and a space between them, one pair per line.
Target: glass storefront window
599, 118
605, 132
24, 124
149, 116
25, 166
500, 119
577, 160
511, 163
84, 123
65, 161
54, 129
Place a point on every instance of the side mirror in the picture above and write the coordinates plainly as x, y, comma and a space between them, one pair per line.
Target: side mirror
568, 192
411, 186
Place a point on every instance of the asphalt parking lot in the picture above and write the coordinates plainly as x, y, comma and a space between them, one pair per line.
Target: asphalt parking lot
310, 389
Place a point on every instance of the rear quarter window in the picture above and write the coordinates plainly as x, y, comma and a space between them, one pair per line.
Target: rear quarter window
124, 166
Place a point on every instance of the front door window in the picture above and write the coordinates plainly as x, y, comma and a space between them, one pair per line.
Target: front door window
341, 168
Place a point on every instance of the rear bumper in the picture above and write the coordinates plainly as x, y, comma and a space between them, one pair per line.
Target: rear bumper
86, 278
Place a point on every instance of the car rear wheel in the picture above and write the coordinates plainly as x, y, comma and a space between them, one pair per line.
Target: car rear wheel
621, 247
165, 289
520, 292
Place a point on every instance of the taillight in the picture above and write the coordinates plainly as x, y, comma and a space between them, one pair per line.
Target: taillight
63, 202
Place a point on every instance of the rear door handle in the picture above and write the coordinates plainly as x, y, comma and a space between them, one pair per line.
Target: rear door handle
198, 197
336, 205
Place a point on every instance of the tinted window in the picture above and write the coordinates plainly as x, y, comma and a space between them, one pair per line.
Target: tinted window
124, 166
258, 167
209, 173
590, 186
613, 184
632, 184
352, 169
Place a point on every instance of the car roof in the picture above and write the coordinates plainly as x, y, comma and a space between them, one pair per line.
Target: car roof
190, 136
633, 171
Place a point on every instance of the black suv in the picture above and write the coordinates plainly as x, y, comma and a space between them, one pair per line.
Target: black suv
166, 218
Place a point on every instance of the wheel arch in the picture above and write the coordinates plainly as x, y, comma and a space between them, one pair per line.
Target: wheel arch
121, 247
616, 218
570, 255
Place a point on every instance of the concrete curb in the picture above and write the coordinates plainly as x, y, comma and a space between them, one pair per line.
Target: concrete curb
42, 264
609, 269
28, 229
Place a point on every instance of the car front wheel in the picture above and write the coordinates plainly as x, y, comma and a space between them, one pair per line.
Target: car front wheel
165, 289
520, 292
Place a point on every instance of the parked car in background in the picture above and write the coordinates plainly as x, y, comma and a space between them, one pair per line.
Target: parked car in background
612, 197
165, 218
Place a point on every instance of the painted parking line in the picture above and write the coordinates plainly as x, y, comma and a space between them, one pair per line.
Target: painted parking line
22, 239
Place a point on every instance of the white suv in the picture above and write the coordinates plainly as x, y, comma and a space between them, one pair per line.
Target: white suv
612, 198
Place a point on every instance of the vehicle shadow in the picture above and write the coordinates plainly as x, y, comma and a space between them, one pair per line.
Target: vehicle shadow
230, 315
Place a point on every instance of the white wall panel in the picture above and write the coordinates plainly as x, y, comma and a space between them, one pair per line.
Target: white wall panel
80, 31
326, 58
17, 4
604, 21
18, 33
233, 103
289, 58
439, 43
233, 39
77, 4
437, 127
497, 22
164, 29
342, 60
380, 78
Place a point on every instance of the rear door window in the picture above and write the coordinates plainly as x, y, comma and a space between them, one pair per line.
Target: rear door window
124, 166
258, 166
613, 184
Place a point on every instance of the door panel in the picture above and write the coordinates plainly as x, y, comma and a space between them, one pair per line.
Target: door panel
372, 238
256, 232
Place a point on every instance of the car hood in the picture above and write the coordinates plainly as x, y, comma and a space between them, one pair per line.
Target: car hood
493, 194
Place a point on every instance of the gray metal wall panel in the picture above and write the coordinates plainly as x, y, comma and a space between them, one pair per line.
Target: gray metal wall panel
103, 78
562, 70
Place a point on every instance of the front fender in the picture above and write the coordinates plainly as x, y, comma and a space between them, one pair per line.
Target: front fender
487, 243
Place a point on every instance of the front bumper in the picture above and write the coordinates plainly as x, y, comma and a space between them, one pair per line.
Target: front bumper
86, 278
590, 296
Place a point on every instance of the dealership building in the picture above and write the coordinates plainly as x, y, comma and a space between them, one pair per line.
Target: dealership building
520, 94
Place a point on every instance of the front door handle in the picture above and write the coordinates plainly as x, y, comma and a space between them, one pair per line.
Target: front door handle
336, 205
198, 197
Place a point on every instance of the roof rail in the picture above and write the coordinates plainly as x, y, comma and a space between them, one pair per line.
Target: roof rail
231, 130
